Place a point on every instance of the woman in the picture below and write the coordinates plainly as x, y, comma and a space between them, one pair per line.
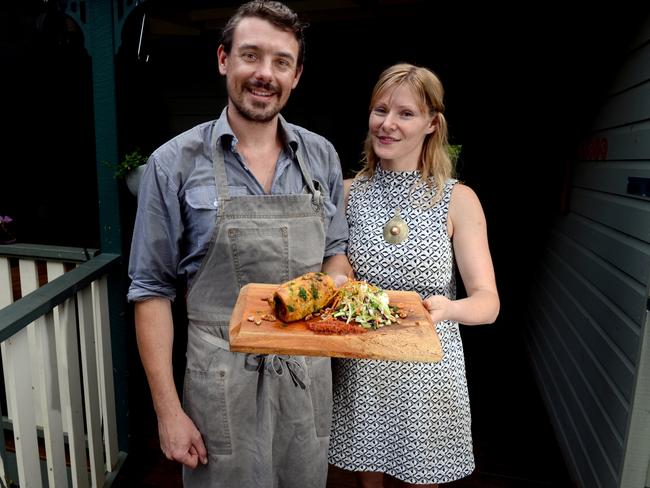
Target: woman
410, 222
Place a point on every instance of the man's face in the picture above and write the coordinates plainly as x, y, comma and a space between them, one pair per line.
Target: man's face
261, 69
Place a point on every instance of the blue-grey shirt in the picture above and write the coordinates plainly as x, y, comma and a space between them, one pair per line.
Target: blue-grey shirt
177, 201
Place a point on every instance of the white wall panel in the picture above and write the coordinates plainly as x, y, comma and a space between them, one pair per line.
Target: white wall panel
588, 327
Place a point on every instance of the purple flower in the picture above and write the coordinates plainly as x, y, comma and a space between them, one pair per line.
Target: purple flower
6, 234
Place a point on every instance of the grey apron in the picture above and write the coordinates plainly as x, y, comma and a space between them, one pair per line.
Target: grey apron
265, 420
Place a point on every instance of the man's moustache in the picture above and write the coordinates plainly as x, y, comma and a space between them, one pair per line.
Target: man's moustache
263, 86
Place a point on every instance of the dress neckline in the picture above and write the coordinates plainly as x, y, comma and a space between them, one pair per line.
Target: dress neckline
408, 178
389, 172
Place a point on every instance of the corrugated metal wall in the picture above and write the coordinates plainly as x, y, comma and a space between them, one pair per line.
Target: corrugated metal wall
588, 314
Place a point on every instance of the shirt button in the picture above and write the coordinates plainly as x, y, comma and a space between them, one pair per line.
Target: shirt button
215, 203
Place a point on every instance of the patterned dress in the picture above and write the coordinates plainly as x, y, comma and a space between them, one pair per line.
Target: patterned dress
409, 420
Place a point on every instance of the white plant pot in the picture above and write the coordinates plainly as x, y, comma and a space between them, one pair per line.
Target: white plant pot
133, 180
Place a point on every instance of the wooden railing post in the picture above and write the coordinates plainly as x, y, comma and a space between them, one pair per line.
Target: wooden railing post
41, 363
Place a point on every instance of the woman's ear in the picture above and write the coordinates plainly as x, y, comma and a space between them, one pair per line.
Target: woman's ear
433, 125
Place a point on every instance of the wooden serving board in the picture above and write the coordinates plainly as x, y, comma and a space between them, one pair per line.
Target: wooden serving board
413, 339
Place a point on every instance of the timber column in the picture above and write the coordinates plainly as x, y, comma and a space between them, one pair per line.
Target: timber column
101, 22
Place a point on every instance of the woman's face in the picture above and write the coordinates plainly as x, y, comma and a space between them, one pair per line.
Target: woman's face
398, 126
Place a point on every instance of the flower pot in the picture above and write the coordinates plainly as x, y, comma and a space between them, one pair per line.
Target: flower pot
7, 232
133, 180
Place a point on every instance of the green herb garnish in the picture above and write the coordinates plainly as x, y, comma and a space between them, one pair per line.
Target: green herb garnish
302, 294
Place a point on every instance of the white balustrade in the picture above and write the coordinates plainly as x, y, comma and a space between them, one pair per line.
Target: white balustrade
59, 390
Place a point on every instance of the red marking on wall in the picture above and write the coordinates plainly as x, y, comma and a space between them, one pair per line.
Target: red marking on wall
594, 149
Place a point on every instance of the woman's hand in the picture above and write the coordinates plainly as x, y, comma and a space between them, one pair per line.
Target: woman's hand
438, 307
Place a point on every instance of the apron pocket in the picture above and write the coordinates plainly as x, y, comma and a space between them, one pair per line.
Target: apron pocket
251, 249
320, 373
204, 401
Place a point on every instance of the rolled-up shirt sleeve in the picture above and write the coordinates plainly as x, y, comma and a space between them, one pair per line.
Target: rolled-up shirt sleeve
337, 233
155, 248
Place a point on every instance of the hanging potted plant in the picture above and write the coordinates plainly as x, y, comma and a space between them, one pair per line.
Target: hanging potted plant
7, 234
131, 168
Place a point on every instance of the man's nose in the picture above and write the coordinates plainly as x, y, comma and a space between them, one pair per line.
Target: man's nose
264, 69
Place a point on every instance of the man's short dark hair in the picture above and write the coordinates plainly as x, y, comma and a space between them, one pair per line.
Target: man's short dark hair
278, 14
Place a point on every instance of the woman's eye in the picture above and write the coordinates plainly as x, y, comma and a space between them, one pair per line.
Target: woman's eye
407, 113
379, 110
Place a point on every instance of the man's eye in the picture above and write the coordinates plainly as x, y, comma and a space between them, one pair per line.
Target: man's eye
282, 64
249, 56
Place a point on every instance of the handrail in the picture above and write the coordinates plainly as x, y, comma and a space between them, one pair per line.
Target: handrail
37, 303
50, 253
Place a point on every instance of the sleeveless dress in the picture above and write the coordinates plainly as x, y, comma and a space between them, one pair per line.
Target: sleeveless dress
407, 419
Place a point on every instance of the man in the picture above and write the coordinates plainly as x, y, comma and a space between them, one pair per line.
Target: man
245, 198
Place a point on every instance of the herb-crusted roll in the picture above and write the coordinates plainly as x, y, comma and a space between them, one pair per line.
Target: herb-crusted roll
306, 294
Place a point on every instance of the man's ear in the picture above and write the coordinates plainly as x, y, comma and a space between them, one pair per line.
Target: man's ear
222, 57
297, 78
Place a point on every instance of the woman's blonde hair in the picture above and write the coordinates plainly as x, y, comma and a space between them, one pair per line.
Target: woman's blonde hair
435, 164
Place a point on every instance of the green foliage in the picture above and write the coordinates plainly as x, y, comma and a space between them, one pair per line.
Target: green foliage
131, 161
454, 152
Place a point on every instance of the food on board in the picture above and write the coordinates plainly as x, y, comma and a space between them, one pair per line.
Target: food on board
304, 295
354, 308
367, 305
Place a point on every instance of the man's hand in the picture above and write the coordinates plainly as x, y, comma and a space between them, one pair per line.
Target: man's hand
181, 441
339, 280
338, 267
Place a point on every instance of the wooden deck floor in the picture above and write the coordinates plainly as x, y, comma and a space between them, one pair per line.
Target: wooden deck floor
165, 474
514, 443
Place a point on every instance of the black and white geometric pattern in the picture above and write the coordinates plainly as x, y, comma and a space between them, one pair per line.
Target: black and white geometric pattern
410, 420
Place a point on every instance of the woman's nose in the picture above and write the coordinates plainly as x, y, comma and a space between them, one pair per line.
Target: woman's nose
389, 121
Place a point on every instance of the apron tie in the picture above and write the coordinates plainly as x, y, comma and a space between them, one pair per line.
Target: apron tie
274, 365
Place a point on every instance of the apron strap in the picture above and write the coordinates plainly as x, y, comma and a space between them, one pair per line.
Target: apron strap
221, 179
211, 339
317, 198
219, 167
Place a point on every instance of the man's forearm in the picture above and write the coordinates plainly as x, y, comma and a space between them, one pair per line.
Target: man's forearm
155, 335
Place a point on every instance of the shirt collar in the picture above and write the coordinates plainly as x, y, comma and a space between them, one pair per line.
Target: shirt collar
222, 128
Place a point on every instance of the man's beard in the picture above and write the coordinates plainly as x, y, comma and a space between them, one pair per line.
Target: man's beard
265, 112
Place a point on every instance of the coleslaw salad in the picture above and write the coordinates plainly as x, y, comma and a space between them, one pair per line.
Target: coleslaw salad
364, 304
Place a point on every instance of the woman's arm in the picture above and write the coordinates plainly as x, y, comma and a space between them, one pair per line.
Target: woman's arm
469, 233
